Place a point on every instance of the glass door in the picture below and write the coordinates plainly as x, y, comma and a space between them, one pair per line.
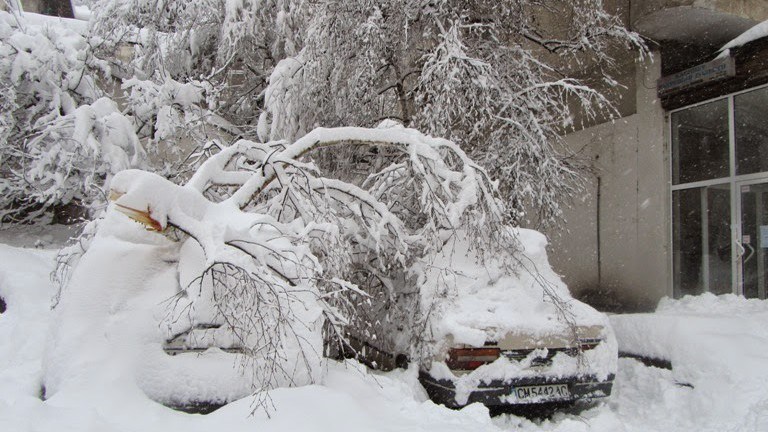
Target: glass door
702, 240
752, 242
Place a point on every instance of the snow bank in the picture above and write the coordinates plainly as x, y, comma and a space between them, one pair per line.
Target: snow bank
26, 288
718, 345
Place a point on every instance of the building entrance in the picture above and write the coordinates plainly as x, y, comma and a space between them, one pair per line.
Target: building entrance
719, 155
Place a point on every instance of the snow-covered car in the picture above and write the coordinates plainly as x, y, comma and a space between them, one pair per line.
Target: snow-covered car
501, 341
534, 370
113, 332
517, 338
252, 266
502, 338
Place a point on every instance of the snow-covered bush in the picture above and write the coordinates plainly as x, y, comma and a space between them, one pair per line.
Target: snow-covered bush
61, 138
174, 122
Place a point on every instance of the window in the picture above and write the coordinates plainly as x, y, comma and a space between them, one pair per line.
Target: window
751, 127
720, 196
700, 143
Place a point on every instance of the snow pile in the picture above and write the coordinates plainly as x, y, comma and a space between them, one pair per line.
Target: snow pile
26, 289
717, 345
490, 301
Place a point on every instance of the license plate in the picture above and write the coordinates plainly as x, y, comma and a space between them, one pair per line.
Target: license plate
541, 393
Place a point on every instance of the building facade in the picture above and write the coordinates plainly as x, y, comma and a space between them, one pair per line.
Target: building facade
679, 202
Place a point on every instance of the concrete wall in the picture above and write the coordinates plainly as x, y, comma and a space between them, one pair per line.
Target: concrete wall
630, 264
751, 9
700, 22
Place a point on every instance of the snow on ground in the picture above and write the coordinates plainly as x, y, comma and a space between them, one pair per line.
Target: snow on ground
78, 25
718, 345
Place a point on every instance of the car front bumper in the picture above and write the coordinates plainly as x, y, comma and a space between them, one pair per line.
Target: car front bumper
497, 393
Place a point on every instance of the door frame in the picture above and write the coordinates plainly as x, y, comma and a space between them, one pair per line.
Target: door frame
736, 241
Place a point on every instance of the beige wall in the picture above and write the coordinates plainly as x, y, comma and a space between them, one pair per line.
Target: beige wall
630, 159
633, 267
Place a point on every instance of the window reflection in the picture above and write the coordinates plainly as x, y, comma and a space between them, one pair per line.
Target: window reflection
700, 143
751, 131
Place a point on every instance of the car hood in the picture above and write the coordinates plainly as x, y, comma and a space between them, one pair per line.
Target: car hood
489, 303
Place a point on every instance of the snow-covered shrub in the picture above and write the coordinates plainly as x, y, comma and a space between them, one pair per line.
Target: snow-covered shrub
61, 138
175, 123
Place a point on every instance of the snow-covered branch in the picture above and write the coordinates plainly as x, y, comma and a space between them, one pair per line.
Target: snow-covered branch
282, 252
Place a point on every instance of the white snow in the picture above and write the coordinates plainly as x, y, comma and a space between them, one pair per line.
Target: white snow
716, 344
490, 298
82, 12
25, 286
94, 356
79, 24
722, 339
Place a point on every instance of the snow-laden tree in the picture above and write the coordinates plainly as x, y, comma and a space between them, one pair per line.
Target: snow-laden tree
272, 249
193, 71
60, 137
494, 76
226, 48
